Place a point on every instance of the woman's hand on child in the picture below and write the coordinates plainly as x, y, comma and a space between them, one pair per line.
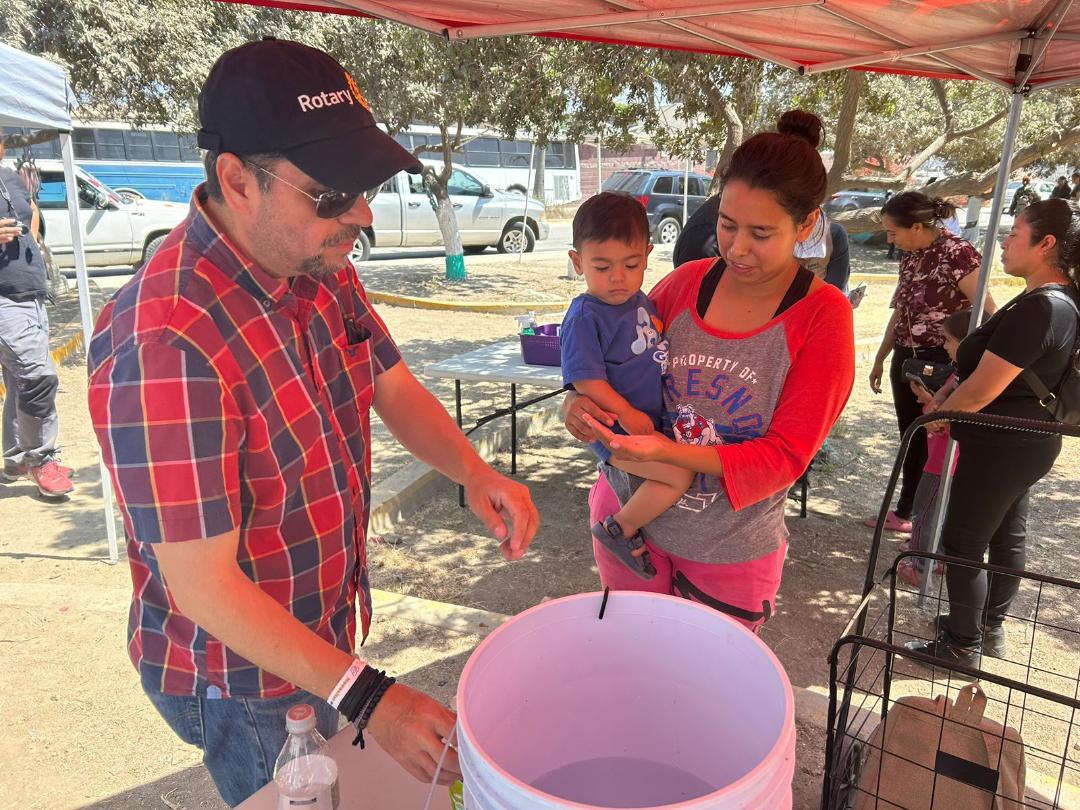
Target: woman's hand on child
653, 447
637, 423
575, 408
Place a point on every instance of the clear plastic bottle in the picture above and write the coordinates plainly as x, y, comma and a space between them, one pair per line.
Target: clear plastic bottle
305, 773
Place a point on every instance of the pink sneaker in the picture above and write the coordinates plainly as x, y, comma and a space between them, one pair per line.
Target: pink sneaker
892, 523
907, 572
51, 483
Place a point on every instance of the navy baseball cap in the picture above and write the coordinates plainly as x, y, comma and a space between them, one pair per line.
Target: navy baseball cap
278, 96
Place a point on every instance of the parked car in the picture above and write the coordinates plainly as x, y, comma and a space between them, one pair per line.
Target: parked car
115, 230
661, 192
402, 216
1044, 188
852, 200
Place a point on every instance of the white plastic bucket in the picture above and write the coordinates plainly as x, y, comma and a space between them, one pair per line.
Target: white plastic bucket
663, 703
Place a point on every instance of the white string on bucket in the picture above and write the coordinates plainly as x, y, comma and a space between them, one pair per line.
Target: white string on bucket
447, 745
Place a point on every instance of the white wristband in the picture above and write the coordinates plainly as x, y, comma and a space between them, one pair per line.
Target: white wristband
347, 680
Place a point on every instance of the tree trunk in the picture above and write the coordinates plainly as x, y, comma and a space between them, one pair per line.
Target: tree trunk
538, 175
854, 83
439, 196
448, 227
732, 138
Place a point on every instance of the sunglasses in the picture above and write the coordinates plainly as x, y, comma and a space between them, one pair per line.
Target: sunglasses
328, 205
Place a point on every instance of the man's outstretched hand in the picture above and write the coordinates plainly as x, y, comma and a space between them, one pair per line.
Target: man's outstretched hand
506, 508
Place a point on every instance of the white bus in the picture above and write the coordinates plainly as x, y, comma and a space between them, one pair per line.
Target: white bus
503, 163
158, 163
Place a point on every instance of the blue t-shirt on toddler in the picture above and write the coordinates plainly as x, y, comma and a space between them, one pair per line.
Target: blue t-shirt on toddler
622, 344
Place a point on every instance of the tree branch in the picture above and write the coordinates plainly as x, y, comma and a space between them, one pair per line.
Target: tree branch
989, 122
967, 183
943, 99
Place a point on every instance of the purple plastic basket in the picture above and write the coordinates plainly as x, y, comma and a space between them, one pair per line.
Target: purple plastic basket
543, 348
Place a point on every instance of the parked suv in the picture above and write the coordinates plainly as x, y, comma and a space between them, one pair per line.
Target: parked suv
115, 230
402, 216
852, 200
661, 192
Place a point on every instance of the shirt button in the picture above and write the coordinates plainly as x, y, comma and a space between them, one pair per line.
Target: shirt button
267, 303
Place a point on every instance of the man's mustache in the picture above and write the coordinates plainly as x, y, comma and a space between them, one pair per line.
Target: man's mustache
349, 235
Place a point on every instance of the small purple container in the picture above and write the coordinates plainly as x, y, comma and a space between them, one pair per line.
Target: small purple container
543, 348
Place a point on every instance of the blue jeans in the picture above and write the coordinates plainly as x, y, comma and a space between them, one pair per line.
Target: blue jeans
240, 737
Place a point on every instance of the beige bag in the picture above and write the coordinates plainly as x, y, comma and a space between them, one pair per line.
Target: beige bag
944, 753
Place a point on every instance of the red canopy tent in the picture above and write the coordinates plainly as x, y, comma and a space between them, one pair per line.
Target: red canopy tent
962, 39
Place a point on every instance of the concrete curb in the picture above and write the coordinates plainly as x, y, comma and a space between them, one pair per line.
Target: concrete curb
523, 307
404, 492
871, 278
441, 304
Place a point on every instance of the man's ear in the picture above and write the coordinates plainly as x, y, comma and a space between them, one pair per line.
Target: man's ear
238, 184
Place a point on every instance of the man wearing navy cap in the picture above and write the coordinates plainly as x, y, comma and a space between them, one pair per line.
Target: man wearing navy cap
230, 386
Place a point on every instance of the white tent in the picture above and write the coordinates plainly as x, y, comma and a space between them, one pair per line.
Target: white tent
35, 93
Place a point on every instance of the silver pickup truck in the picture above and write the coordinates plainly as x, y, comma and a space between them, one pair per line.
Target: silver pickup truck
402, 216
115, 230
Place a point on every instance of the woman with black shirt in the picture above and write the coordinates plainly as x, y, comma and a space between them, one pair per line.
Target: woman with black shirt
989, 503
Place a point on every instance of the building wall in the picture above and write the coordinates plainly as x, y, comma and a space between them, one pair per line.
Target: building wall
639, 157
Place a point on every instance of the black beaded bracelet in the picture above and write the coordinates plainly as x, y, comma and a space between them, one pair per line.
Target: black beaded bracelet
360, 692
360, 701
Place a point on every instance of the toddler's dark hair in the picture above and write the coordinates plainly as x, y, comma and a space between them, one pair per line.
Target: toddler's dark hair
610, 215
956, 325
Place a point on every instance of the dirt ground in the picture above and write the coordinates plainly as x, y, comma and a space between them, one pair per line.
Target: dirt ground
81, 734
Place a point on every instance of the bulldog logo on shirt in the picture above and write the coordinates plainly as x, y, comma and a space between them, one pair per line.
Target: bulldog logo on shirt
690, 427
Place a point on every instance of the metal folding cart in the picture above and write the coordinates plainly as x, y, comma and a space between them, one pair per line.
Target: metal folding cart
1029, 726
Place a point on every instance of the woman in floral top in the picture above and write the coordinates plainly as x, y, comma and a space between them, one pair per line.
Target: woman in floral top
939, 274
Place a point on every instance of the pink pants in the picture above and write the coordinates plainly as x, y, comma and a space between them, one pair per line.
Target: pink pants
746, 591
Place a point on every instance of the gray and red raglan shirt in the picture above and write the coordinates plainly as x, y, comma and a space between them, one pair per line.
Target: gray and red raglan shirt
764, 399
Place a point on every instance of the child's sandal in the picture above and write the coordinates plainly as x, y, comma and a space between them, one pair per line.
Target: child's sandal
611, 536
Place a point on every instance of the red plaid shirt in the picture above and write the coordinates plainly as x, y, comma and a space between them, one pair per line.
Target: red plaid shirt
225, 398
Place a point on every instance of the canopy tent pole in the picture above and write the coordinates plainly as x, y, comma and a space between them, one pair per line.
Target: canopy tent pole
1012, 128
686, 192
1044, 29
599, 165
86, 313
528, 187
